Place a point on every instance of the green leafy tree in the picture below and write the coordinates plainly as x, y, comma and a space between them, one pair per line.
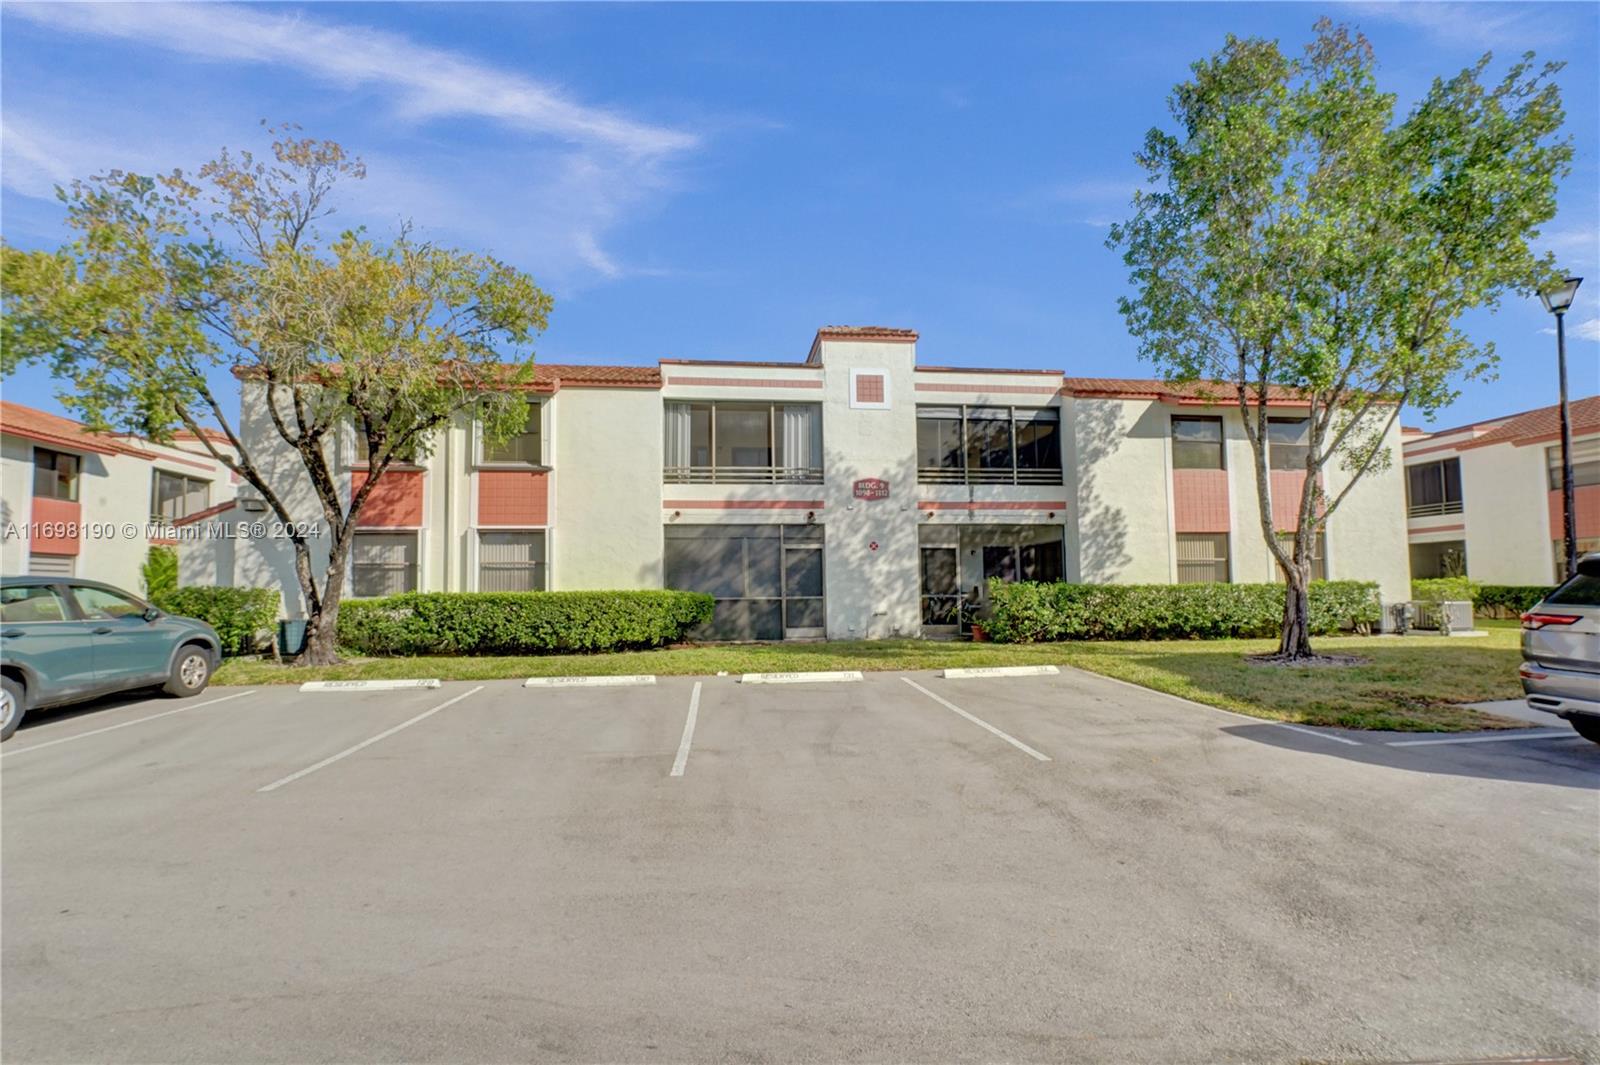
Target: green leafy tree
347, 342
1299, 242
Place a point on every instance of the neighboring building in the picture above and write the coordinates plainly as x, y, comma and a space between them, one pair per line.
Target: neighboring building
854, 494
85, 504
1484, 499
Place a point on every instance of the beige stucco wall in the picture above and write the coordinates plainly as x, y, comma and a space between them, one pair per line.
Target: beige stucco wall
606, 510
1505, 504
1119, 529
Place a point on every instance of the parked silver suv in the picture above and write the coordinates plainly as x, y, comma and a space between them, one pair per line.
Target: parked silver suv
1561, 651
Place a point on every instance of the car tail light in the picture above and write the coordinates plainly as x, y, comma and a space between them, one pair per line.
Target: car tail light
1531, 673
1539, 620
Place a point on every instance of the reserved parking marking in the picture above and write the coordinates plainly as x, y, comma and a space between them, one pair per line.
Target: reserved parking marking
367, 685
125, 724
980, 722
999, 671
1485, 739
589, 682
682, 760
819, 677
348, 751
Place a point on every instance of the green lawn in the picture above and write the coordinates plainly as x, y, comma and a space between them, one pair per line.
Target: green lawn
1411, 683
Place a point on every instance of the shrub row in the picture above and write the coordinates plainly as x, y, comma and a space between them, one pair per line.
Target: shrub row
1494, 600
513, 623
1024, 613
243, 617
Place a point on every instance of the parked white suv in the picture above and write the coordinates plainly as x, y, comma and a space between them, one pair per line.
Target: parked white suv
1561, 651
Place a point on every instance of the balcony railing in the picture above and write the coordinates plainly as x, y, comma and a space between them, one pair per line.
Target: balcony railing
742, 474
948, 475
1433, 510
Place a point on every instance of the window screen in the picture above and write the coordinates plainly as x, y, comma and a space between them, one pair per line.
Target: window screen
55, 474
383, 564
1202, 558
1288, 443
1585, 463
511, 561
525, 447
767, 579
174, 496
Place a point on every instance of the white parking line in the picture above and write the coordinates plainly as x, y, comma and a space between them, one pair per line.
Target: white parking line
348, 751
980, 722
688, 732
1484, 739
125, 724
1319, 734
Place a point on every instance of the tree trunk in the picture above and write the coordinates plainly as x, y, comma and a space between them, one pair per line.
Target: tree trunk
322, 638
1295, 639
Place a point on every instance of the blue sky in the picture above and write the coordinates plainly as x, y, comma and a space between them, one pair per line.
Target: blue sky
719, 180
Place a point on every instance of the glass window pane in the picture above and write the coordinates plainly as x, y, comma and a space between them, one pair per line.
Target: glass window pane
988, 440
804, 614
1000, 562
1038, 440
20, 604
711, 563
1042, 562
763, 573
102, 603
802, 571
1288, 443
1197, 443
744, 436
524, 447
700, 435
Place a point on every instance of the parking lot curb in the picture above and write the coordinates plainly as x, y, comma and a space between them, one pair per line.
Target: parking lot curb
367, 685
622, 681
1000, 671
801, 678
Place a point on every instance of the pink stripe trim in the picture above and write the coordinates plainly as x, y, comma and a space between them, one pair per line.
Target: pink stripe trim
1031, 390
992, 504
1437, 528
1410, 451
741, 504
743, 382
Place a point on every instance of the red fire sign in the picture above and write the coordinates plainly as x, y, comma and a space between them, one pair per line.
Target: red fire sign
872, 488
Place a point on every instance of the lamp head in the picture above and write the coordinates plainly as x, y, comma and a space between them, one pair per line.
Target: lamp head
1558, 299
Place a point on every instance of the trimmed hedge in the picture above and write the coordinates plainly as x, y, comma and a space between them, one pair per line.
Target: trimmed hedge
1025, 613
160, 572
241, 616
1444, 589
518, 623
1497, 600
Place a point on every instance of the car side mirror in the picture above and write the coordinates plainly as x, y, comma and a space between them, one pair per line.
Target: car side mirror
151, 613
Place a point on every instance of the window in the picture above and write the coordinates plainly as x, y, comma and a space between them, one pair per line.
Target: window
1202, 558
1585, 463
511, 561
1196, 443
1288, 443
767, 579
383, 563
55, 474
743, 443
526, 448
1039, 562
20, 604
1434, 488
869, 389
52, 565
104, 604
1581, 590
1319, 561
988, 445
174, 496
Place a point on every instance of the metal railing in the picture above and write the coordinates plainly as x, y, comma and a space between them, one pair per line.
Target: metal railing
742, 474
947, 475
1432, 510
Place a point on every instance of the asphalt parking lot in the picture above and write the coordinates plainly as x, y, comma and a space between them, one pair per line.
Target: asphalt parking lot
902, 868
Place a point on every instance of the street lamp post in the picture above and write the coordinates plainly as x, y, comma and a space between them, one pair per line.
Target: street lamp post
1556, 301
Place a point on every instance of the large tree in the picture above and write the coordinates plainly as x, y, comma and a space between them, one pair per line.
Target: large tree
341, 342
1300, 243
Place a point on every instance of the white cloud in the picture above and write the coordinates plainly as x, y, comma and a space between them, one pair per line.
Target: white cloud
1588, 330
547, 196
1480, 25
431, 82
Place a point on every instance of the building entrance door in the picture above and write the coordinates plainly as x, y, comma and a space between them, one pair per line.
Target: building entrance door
941, 590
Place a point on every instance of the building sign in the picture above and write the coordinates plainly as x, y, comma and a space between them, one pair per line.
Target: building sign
872, 488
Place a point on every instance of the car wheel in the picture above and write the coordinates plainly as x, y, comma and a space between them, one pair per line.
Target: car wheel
11, 707
191, 671
1587, 727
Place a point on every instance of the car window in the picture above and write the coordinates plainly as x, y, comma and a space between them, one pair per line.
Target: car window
20, 603
104, 603
1582, 590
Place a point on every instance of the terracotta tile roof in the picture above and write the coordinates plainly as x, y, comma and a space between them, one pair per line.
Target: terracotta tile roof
1535, 426
555, 374
864, 332
38, 425
1150, 388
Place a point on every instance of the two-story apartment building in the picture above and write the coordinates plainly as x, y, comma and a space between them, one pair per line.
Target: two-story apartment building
851, 494
85, 504
1484, 499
